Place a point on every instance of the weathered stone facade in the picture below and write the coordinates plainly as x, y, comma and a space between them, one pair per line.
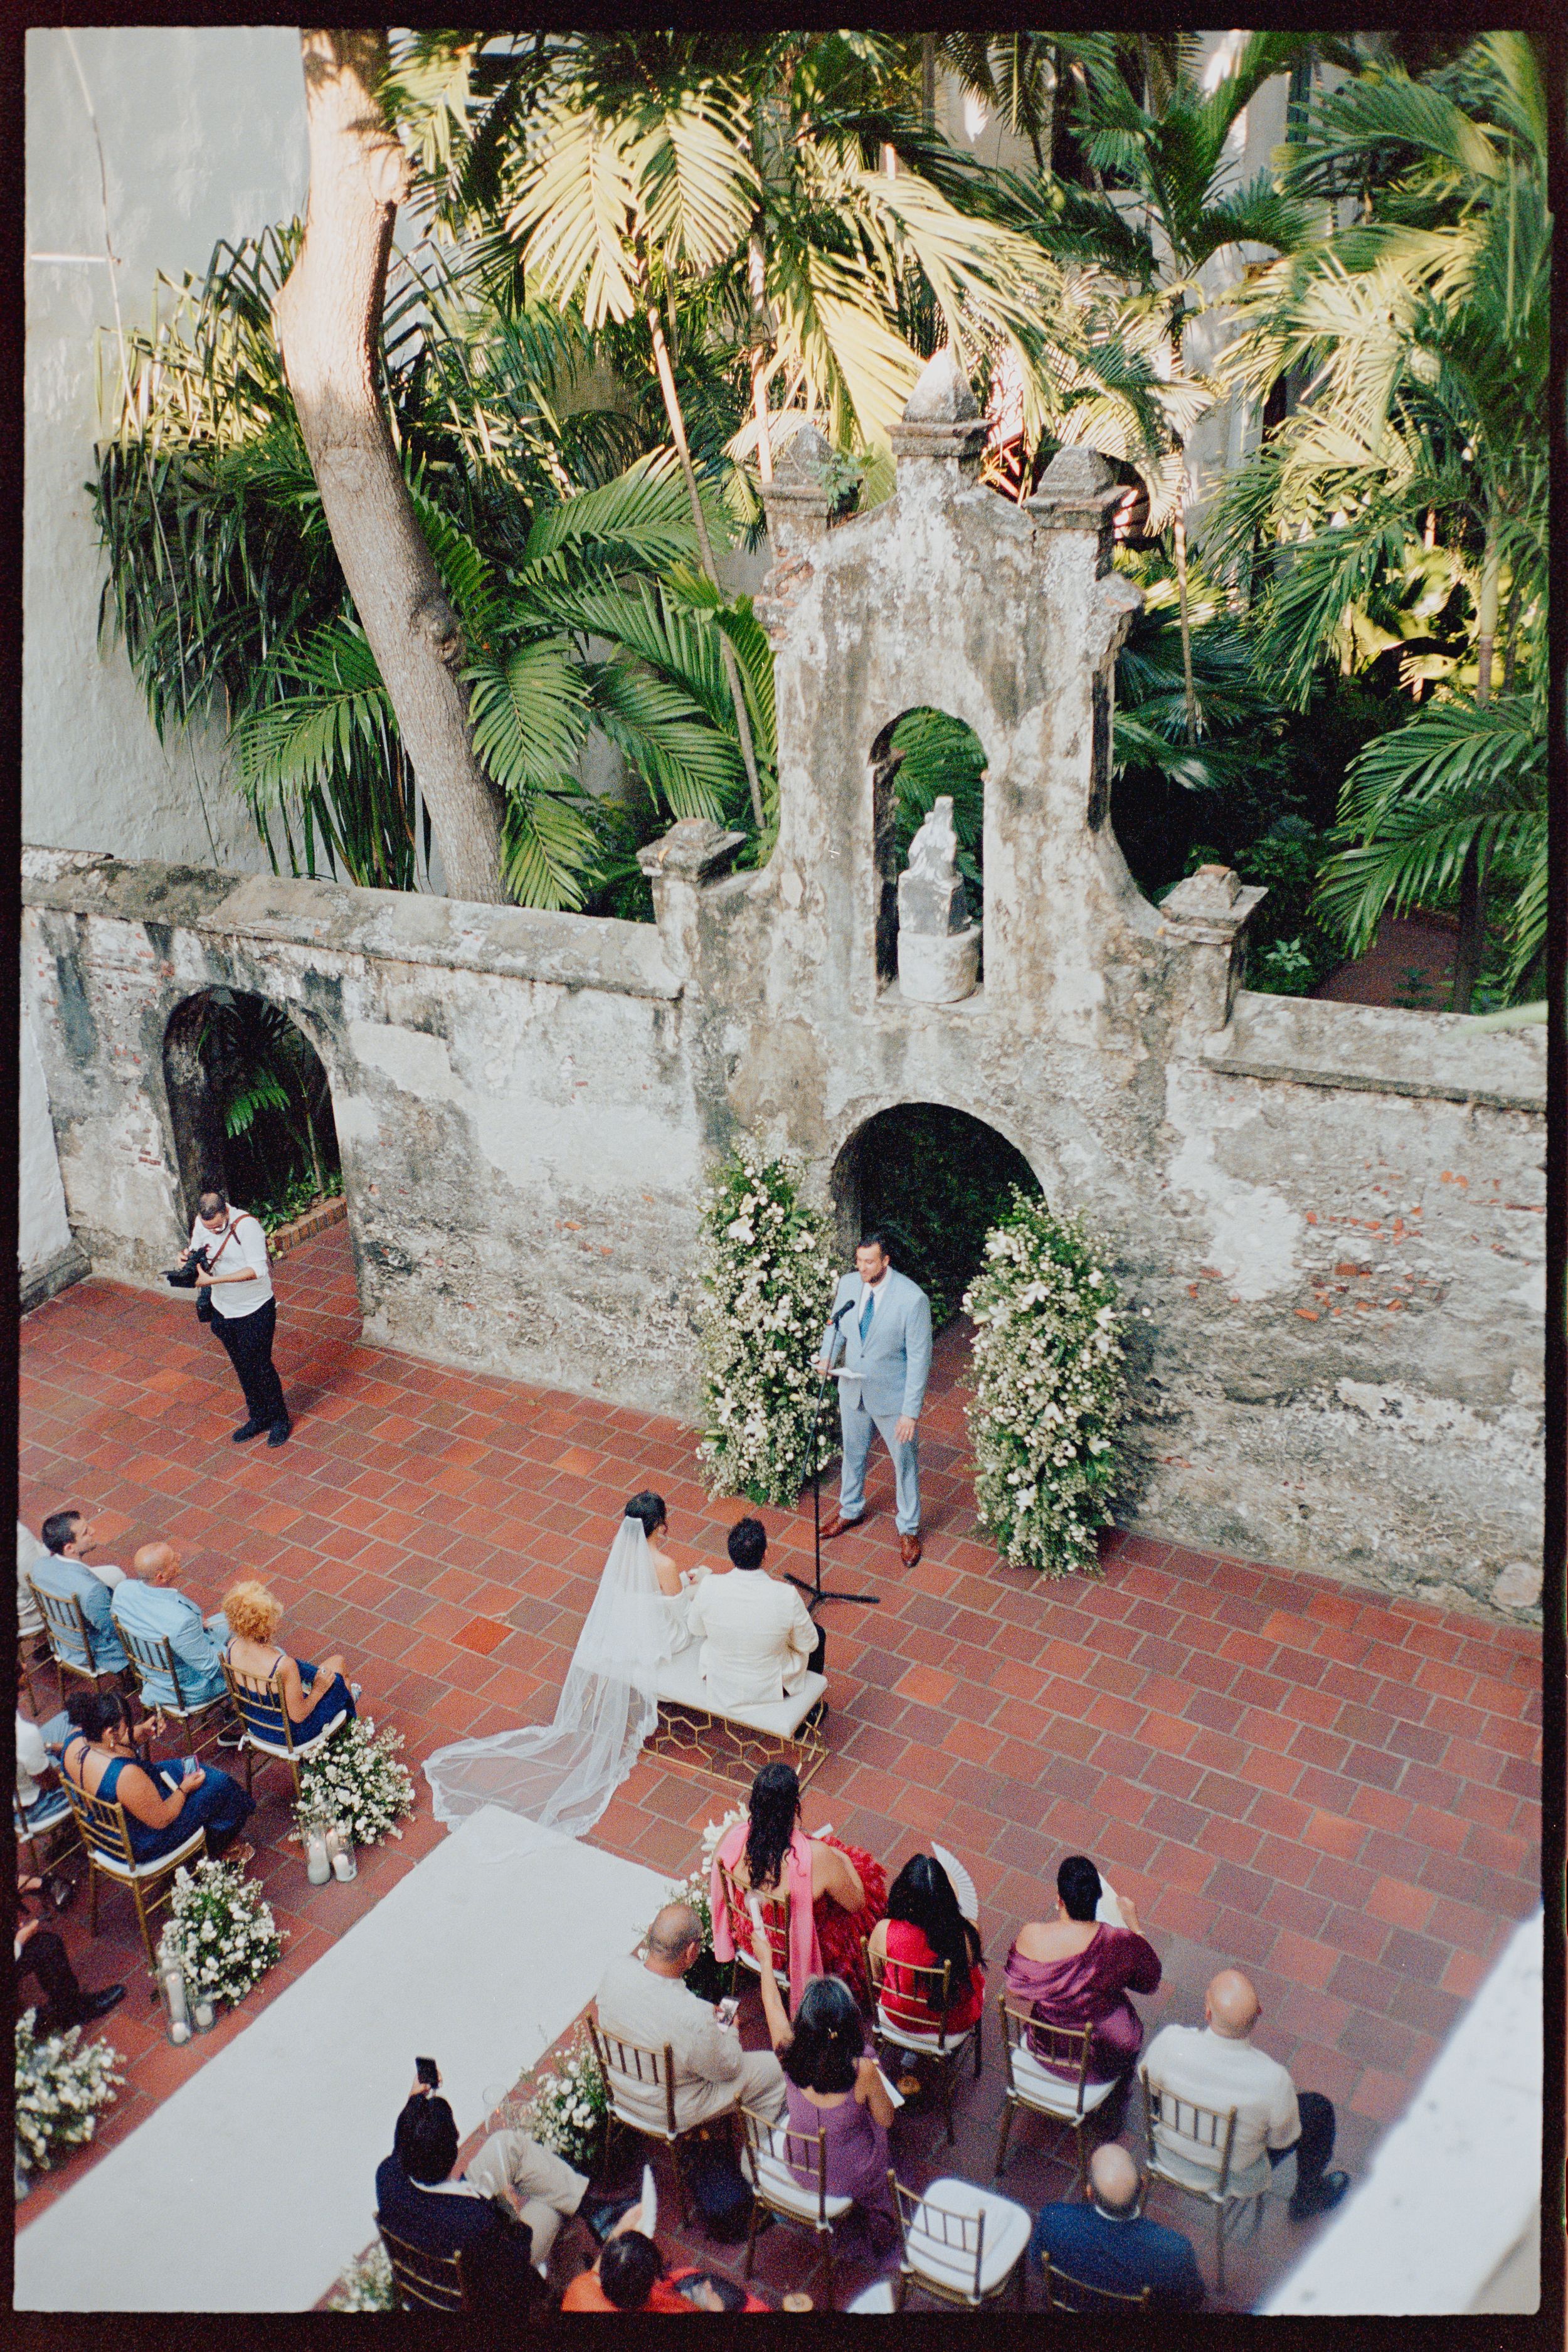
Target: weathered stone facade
1335, 1215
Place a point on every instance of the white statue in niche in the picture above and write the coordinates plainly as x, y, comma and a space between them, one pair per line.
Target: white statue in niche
938, 947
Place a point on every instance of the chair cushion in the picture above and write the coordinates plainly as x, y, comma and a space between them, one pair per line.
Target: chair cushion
1037, 2087
779, 2186
47, 1812
681, 1683
308, 1748
905, 2037
1007, 2228
118, 1869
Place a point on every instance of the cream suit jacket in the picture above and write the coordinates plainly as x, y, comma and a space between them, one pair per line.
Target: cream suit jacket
755, 1634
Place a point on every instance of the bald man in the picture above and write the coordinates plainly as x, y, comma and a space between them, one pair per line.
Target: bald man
148, 1606
1110, 2243
1283, 2139
646, 2001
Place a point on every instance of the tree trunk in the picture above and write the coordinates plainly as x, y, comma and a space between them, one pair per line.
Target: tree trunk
726, 650
1179, 543
928, 81
328, 318
1471, 942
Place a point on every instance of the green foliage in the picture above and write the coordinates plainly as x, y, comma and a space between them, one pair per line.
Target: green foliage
936, 1181
1049, 1389
269, 1090
938, 754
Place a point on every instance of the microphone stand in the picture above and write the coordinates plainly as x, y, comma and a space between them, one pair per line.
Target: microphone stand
815, 1594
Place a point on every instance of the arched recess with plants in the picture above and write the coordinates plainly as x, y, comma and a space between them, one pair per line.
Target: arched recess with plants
921, 755
936, 1180
249, 1101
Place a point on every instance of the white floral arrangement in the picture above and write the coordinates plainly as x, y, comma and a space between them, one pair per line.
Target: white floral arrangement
1050, 1389
367, 2284
220, 1933
769, 1278
62, 2083
569, 2104
357, 1780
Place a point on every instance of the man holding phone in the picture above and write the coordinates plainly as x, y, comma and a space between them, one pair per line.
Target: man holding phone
475, 2214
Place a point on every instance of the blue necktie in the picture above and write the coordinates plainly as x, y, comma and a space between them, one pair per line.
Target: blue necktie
865, 1314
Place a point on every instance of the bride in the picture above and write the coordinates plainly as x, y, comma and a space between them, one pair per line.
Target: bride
563, 1774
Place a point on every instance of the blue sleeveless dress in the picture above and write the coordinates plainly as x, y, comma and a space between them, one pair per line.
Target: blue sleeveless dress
219, 1805
331, 1699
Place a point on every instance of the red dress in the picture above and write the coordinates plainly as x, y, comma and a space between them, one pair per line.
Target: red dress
902, 1995
838, 1932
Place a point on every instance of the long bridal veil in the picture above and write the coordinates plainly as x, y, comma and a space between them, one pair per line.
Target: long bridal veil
564, 1774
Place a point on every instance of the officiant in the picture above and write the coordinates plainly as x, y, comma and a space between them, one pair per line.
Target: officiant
882, 1320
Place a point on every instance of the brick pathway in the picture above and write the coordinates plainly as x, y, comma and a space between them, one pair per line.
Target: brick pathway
1337, 1791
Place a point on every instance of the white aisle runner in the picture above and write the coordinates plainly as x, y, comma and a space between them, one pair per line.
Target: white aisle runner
254, 2185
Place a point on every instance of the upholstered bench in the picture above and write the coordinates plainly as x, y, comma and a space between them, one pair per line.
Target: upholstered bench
694, 1728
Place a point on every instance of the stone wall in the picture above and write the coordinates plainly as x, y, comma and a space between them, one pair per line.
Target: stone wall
1332, 1214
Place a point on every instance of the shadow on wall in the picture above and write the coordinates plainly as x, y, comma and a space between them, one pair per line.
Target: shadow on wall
251, 1105
934, 1181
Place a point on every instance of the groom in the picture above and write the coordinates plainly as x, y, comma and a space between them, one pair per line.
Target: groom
886, 1337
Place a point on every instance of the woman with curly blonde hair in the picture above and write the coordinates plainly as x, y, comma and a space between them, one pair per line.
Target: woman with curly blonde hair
313, 1695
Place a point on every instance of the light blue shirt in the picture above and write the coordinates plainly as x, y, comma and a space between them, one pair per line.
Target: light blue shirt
69, 1580
154, 1612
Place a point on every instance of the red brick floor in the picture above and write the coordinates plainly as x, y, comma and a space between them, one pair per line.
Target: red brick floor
1337, 1790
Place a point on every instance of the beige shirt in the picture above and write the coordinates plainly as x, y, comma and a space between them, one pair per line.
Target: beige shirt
755, 1634
1195, 2063
635, 2005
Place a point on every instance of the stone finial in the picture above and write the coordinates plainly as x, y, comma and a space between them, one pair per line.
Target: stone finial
692, 849
942, 417
939, 948
943, 395
1079, 491
803, 459
1211, 890
1078, 472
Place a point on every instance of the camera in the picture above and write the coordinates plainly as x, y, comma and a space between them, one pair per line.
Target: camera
184, 1277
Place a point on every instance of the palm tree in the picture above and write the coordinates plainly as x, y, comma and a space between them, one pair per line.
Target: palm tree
548, 524
1404, 503
1169, 202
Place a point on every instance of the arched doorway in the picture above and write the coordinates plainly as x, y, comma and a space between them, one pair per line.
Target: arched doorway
919, 756
936, 1180
251, 1105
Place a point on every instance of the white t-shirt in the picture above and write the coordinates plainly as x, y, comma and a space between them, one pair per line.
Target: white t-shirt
245, 1244
1193, 2063
32, 1756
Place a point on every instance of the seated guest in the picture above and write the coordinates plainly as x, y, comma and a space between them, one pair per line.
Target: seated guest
676, 1584
165, 1801
1109, 2242
39, 1953
1283, 2139
1074, 1971
834, 2086
30, 1624
313, 1695
837, 1892
924, 1926
148, 1606
504, 2253
758, 1642
646, 2001
630, 2276
37, 1751
64, 1574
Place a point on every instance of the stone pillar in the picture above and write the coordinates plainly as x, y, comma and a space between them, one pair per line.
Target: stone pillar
679, 864
938, 441
798, 506
1209, 913
938, 947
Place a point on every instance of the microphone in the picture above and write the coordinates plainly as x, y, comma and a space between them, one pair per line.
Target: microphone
842, 1312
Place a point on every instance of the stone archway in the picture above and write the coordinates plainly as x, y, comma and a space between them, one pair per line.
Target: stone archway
936, 1179
249, 1097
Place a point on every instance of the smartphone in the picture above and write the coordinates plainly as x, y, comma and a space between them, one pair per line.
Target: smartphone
429, 2072
728, 2009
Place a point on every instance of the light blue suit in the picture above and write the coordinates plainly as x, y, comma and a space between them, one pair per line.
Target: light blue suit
53, 1573
891, 1365
155, 1612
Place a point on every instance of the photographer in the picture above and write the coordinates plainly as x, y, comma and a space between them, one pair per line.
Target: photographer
227, 1258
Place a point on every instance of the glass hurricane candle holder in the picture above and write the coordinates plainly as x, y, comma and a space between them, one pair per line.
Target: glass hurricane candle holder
317, 1867
340, 1850
204, 2013
177, 2010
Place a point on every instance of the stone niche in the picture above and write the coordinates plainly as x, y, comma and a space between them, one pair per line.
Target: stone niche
1333, 1214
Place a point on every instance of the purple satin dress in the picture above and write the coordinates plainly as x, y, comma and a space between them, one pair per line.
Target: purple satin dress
856, 2159
1090, 1988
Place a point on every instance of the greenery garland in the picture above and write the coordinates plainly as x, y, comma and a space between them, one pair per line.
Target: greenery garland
769, 1280
1049, 1390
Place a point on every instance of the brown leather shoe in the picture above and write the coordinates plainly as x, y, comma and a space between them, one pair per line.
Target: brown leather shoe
910, 1550
837, 1526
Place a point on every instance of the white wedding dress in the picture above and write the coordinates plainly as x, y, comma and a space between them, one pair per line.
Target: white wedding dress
563, 1774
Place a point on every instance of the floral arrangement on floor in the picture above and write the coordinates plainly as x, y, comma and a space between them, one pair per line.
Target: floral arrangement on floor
366, 2285
220, 1933
769, 1280
569, 2104
1050, 1389
61, 2085
357, 1780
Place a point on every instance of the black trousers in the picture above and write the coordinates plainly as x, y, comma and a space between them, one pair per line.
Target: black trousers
1315, 2143
249, 1342
44, 1956
814, 1663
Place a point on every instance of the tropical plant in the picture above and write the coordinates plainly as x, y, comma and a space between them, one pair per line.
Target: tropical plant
1048, 1389
550, 523
1403, 503
62, 2085
271, 1094
768, 1281
935, 1182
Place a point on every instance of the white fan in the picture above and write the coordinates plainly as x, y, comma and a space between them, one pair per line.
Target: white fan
960, 1881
